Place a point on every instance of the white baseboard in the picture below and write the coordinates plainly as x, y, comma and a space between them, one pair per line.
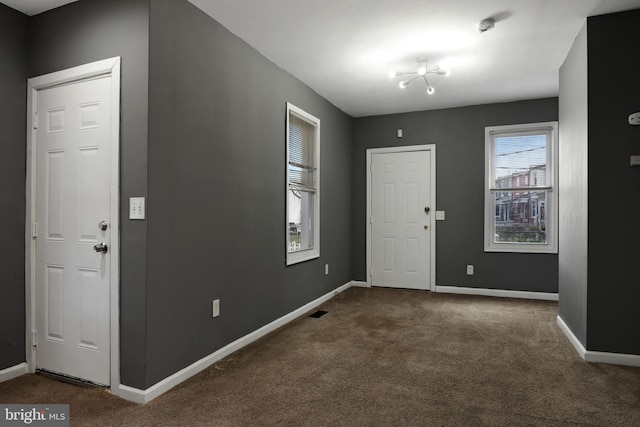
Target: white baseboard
498, 293
145, 396
612, 358
571, 337
131, 394
598, 356
13, 372
360, 284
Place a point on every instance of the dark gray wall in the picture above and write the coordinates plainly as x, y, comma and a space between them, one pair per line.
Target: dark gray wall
87, 31
458, 134
13, 112
613, 322
216, 206
573, 183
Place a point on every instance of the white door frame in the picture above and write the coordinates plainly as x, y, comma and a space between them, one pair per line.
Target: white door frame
432, 217
108, 67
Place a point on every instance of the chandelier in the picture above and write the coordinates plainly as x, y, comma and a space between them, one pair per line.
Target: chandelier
423, 70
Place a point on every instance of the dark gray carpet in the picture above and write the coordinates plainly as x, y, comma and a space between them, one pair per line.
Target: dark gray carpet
383, 357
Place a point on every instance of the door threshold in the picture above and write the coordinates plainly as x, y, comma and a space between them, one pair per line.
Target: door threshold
69, 380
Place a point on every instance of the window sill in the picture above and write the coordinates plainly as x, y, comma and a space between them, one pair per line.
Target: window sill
301, 256
521, 248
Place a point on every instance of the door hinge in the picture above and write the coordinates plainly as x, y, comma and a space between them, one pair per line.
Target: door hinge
35, 120
371, 220
371, 272
34, 230
34, 338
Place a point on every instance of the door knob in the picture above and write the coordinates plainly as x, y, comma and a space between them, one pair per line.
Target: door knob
103, 225
101, 247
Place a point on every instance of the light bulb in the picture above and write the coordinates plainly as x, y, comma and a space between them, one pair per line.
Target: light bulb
403, 84
422, 70
392, 74
430, 90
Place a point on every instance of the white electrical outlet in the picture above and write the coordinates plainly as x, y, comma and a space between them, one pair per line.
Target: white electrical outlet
469, 270
439, 215
326, 269
216, 307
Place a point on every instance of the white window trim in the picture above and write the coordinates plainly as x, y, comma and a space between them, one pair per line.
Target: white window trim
304, 255
552, 214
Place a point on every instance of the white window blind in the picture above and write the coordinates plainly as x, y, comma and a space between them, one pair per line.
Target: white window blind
519, 157
303, 163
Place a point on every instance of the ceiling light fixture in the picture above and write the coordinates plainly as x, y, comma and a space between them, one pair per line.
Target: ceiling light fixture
423, 70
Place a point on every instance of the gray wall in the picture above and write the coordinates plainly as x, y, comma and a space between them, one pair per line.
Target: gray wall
87, 31
216, 140
613, 323
13, 112
573, 184
216, 206
459, 137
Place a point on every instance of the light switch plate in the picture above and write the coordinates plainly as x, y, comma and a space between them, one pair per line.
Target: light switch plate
635, 160
439, 215
136, 208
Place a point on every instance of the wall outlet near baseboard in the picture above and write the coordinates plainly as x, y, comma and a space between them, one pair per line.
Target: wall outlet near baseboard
469, 270
326, 269
216, 308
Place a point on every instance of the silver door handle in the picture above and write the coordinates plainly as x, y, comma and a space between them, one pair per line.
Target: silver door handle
101, 247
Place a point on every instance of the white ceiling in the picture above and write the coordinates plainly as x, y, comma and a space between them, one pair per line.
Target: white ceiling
343, 49
33, 7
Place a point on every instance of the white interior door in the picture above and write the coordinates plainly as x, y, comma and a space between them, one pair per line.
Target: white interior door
400, 220
72, 197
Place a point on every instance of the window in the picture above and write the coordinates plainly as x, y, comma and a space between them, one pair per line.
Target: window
521, 201
303, 186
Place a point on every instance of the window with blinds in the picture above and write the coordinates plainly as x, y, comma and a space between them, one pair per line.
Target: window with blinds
302, 154
303, 179
520, 201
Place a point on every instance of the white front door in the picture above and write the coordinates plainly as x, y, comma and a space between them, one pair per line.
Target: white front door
72, 198
400, 219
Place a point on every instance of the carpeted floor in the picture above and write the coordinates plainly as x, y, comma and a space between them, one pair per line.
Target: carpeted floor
383, 357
